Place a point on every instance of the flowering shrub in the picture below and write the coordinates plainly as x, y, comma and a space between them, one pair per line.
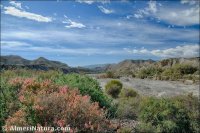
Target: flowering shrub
87, 86
47, 104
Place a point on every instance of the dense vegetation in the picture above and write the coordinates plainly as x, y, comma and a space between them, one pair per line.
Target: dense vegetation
55, 99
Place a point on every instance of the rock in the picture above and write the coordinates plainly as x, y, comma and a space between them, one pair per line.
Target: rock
188, 82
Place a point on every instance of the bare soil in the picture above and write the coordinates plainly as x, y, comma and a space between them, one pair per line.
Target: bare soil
156, 88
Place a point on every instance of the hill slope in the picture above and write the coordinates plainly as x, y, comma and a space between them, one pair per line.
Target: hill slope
13, 62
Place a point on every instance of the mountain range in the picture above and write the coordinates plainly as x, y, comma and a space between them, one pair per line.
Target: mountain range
13, 61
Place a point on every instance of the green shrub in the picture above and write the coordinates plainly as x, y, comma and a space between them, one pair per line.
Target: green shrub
110, 74
128, 108
179, 71
87, 86
191, 104
172, 74
165, 115
124, 130
149, 72
113, 88
9, 100
185, 69
128, 92
145, 128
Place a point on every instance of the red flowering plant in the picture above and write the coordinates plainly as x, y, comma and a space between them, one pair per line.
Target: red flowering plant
47, 104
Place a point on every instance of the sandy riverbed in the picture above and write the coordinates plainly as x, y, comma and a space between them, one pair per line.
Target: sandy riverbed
155, 87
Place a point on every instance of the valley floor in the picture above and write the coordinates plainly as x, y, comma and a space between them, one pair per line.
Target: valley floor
156, 87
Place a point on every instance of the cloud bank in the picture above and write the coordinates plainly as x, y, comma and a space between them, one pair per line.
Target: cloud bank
178, 51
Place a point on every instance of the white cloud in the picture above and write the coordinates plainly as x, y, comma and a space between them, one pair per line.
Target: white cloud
138, 16
104, 1
180, 16
129, 16
151, 9
178, 51
190, 2
82, 51
13, 44
28, 15
16, 4
106, 11
151, 35
23, 46
72, 24
85, 1
93, 1
152, 6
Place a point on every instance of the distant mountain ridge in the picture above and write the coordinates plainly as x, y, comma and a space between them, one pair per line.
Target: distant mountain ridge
41, 63
124, 66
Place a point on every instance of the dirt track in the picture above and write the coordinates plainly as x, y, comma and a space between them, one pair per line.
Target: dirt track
156, 87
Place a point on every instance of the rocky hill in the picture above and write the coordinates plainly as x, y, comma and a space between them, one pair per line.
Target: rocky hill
13, 62
130, 65
173, 61
134, 65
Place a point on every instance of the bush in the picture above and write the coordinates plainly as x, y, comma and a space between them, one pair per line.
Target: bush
179, 71
128, 92
191, 104
185, 69
124, 130
165, 115
9, 101
113, 88
128, 108
87, 86
128, 104
145, 128
46, 104
149, 72
110, 74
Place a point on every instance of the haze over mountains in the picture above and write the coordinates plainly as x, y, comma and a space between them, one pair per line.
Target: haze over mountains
126, 65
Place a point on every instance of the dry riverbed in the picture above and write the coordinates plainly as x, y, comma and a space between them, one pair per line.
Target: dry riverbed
156, 87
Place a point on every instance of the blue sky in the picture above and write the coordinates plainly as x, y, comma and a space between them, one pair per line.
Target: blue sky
84, 32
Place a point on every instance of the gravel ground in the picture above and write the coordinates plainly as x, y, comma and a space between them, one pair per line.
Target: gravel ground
155, 87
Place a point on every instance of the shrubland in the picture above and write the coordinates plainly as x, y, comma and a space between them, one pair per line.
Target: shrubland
31, 97
47, 104
176, 72
52, 98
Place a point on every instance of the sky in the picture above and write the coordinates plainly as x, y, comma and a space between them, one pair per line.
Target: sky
85, 32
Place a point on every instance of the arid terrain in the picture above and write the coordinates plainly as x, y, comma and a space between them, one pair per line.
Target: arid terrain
156, 87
